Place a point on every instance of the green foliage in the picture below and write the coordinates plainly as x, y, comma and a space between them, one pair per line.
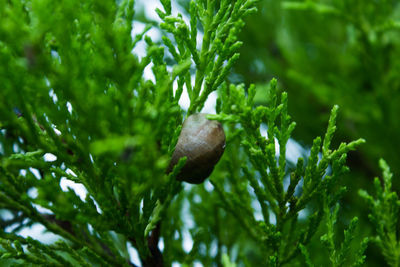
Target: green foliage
221, 23
384, 214
318, 184
325, 52
68, 72
76, 106
339, 255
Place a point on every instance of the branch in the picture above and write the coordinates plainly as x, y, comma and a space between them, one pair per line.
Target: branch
155, 259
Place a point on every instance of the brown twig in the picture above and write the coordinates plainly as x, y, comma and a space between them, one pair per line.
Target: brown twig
155, 259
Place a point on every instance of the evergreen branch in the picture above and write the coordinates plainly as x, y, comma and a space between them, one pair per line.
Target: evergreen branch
234, 211
262, 197
62, 246
384, 214
73, 87
61, 228
306, 255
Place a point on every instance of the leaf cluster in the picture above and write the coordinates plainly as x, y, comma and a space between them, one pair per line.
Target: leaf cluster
384, 215
266, 173
77, 108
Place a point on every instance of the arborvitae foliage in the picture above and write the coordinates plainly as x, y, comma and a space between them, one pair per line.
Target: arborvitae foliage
384, 214
75, 106
327, 52
273, 183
